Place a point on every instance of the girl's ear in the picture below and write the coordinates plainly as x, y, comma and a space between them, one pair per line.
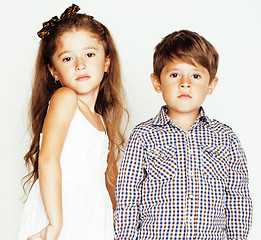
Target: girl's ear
212, 85
53, 72
155, 82
107, 64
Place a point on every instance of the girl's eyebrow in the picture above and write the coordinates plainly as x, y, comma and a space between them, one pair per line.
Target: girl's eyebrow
91, 47
86, 48
63, 53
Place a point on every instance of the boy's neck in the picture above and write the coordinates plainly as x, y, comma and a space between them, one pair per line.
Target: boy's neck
184, 120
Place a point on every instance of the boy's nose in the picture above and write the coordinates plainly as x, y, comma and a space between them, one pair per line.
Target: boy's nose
184, 85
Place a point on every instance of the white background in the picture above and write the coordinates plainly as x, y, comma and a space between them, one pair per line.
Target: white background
233, 27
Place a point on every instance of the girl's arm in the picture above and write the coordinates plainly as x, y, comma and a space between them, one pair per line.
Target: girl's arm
57, 121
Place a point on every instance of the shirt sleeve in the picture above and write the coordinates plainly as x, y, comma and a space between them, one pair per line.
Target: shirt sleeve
238, 201
128, 190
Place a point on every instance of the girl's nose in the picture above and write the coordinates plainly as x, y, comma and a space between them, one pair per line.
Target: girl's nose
80, 65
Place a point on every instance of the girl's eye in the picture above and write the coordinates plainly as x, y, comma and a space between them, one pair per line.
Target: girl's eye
196, 76
90, 54
67, 59
174, 75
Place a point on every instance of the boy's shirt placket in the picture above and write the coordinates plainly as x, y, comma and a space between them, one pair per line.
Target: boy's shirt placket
198, 185
188, 158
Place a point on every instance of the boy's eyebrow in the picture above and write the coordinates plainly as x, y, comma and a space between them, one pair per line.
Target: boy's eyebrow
86, 48
172, 69
176, 68
198, 69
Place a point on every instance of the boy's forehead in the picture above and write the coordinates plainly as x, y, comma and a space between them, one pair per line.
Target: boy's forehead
178, 63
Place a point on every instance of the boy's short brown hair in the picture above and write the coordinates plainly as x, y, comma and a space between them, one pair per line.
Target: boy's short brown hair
188, 47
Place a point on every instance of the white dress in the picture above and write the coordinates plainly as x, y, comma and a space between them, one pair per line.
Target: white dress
87, 208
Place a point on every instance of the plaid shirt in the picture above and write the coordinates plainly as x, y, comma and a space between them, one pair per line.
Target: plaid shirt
183, 185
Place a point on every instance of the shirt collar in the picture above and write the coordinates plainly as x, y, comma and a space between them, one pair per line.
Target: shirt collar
202, 117
162, 118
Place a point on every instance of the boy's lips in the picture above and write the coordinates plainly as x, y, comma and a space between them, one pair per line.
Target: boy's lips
83, 77
185, 96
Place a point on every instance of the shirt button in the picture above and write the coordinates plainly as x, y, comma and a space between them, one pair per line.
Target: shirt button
162, 155
217, 153
190, 220
190, 196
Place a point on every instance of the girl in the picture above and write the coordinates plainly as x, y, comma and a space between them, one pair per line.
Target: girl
76, 112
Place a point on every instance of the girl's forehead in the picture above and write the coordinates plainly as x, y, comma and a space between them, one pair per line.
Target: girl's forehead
79, 38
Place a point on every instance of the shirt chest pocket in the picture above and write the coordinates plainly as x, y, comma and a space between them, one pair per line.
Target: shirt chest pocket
162, 162
215, 161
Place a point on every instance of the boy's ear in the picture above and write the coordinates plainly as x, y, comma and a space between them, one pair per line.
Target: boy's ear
212, 85
53, 72
107, 64
155, 82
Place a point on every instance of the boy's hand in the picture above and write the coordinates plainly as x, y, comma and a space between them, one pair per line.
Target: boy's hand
47, 233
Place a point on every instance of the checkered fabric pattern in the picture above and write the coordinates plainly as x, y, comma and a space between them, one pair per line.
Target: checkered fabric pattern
183, 185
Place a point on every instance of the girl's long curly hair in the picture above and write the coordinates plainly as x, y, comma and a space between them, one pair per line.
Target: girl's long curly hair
110, 103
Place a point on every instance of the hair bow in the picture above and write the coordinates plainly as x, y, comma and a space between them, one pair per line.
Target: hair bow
70, 11
47, 26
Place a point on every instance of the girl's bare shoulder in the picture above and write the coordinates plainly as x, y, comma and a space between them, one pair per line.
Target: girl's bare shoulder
61, 110
65, 94
63, 104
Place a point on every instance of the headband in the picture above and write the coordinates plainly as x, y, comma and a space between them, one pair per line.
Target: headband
47, 26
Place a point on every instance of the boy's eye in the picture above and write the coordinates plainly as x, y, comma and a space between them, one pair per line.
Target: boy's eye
67, 59
174, 75
196, 76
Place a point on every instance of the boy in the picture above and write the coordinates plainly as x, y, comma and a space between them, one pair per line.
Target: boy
184, 176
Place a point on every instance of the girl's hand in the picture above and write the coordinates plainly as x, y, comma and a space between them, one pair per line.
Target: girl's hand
48, 233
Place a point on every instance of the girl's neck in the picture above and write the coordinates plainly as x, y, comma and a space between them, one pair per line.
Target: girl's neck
91, 115
88, 102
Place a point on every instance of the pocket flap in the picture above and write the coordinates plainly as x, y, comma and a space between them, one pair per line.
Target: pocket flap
215, 161
162, 162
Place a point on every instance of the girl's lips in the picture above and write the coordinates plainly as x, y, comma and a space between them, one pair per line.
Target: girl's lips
83, 78
184, 96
